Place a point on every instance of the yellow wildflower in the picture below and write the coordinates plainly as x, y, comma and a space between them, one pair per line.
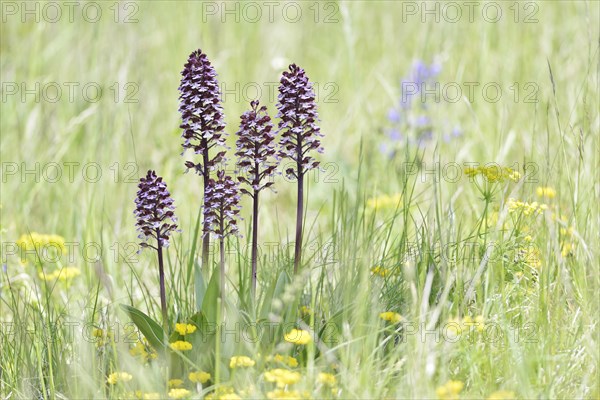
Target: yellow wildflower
450, 390
64, 275
526, 208
241, 361
298, 336
199, 377
230, 396
327, 379
143, 350
181, 345
479, 323
223, 393
382, 272
567, 231
384, 202
184, 329
545, 191
175, 383
282, 377
493, 173
117, 377
68, 273
179, 393
47, 246
502, 395
567, 249
530, 256
102, 337
138, 394
391, 316
305, 311
287, 360
284, 394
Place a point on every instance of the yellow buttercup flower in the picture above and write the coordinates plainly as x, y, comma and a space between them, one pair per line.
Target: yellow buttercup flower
117, 377
545, 191
327, 379
391, 316
450, 390
241, 361
287, 360
138, 394
175, 383
223, 393
230, 396
567, 249
143, 350
285, 394
502, 395
185, 329
282, 377
181, 345
149, 396
480, 323
179, 393
66, 274
298, 336
199, 377
46, 246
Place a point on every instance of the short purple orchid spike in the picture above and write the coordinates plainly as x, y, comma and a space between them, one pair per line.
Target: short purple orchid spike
155, 218
300, 135
222, 206
256, 147
256, 158
221, 209
154, 211
202, 121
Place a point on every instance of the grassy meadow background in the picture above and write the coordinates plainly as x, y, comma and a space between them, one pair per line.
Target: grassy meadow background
364, 210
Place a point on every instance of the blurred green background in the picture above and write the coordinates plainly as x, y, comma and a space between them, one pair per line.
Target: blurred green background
356, 52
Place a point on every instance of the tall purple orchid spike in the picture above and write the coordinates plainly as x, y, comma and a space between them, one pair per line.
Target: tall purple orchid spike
300, 135
202, 121
256, 157
221, 209
155, 219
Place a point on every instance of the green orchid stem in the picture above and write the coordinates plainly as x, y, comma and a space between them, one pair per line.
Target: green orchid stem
218, 345
222, 262
299, 215
206, 237
163, 293
254, 241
